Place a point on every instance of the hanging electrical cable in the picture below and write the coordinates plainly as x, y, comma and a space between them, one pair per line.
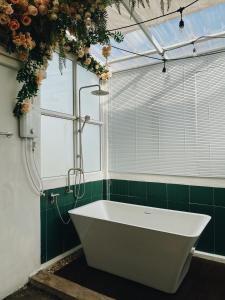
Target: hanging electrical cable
193, 43
164, 61
179, 10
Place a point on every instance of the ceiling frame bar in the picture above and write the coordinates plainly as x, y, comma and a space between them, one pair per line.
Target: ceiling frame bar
172, 47
144, 28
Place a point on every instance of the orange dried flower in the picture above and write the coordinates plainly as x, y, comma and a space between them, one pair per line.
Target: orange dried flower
15, 1
106, 51
4, 19
32, 10
39, 77
25, 106
8, 10
23, 55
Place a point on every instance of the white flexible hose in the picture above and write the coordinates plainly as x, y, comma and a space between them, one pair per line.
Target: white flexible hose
38, 174
59, 213
29, 170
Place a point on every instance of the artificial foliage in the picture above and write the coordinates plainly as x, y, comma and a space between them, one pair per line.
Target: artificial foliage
34, 29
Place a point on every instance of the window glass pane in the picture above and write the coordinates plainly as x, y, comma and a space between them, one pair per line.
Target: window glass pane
202, 23
91, 148
89, 103
57, 89
56, 146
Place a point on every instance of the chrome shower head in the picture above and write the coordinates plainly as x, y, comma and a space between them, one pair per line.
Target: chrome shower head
100, 92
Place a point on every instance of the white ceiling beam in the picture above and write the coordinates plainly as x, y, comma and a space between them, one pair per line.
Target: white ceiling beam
144, 28
200, 40
172, 47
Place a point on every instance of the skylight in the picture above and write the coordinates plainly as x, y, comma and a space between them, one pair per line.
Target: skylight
152, 40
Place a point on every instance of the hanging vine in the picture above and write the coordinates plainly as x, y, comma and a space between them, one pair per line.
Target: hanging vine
34, 29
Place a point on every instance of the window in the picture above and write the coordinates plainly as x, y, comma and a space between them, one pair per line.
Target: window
169, 124
57, 120
59, 111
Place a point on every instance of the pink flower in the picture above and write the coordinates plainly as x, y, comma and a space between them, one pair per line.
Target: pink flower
14, 24
26, 20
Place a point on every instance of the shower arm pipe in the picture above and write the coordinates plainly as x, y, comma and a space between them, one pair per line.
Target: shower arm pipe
80, 90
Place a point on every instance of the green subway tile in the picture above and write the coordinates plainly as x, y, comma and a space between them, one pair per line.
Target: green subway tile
138, 189
156, 203
220, 230
219, 196
88, 189
119, 187
97, 197
182, 206
105, 189
97, 187
178, 193
119, 198
54, 234
156, 192
201, 195
136, 200
69, 235
206, 241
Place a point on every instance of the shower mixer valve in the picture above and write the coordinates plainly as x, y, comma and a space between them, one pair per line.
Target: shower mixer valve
53, 197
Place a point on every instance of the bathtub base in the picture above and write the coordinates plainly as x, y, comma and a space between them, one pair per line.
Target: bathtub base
133, 253
154, 257
150, 283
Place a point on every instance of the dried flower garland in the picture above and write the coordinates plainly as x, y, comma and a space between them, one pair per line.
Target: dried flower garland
34, 29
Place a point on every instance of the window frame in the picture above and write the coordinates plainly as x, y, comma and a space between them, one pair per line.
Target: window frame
74, 117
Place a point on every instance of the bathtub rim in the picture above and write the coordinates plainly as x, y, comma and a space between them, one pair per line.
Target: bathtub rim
200, 230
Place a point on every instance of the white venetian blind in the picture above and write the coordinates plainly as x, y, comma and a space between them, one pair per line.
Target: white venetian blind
169, 124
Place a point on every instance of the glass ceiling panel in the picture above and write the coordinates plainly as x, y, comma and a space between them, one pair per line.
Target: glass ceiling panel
205, 22
133, 63
135, 41
202, 47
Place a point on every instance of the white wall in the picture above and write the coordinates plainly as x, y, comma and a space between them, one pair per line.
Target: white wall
19, 204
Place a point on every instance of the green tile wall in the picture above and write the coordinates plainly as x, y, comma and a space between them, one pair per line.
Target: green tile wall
206, 200
57, 238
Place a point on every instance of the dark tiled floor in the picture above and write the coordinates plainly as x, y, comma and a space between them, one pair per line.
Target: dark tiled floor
205, 281
30, 293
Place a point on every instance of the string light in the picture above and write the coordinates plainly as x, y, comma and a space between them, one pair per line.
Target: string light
164, 66
194, 49
181, 23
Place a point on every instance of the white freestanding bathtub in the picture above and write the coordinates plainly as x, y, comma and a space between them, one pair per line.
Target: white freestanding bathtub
148, 245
